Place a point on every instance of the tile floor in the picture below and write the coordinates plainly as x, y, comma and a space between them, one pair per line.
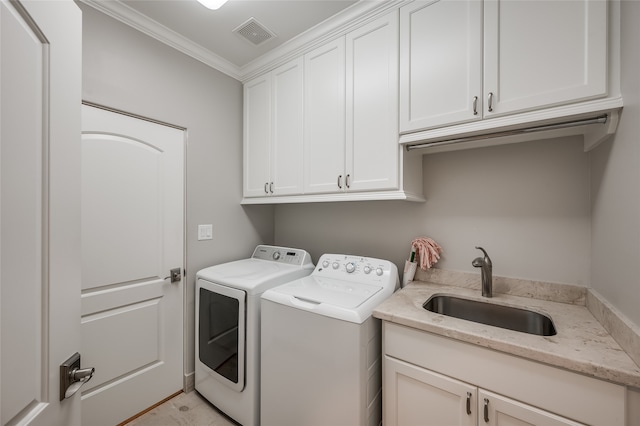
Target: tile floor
189, 409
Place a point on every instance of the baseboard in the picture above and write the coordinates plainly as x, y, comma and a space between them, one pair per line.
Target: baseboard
189, 382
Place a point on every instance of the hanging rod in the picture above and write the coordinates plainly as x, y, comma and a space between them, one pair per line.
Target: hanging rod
602, 119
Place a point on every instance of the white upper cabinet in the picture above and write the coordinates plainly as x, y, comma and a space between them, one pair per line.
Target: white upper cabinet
257, 136
324, 118
273, 132
372, 106
351, 103
543, 53
440, 63
331, 117
286, 152
463, 60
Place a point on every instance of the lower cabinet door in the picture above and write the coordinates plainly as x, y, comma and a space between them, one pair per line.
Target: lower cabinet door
416, 396
501, 411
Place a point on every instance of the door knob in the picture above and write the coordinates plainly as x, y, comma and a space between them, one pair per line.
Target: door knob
72, 377
175, 274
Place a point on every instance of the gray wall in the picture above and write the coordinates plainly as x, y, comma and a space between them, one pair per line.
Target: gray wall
527, 204
615, 187
126, 70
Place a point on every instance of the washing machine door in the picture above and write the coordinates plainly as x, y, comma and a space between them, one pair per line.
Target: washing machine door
221, 332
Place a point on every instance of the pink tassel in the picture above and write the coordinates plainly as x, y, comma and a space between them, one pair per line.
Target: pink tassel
427, 251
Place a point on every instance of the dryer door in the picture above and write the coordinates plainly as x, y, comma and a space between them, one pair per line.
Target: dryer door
221, 332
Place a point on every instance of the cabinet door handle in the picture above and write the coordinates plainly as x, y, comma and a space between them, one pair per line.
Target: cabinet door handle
490, 101
348, 181
271, 187
340, 181
475, 105
266, 187
486, 410
468, 403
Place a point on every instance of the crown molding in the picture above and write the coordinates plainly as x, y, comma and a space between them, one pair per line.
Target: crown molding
154, 29
354, 16
333, 27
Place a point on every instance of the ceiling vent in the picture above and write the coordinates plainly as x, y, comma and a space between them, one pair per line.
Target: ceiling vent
254, 32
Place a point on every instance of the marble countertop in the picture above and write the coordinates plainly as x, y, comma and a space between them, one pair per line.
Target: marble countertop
581, 344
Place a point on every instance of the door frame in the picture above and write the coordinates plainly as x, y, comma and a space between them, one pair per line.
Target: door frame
185, 385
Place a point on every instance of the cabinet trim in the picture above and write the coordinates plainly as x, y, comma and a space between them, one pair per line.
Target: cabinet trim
343, 196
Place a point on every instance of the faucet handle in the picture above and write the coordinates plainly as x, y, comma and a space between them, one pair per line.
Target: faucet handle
487, 259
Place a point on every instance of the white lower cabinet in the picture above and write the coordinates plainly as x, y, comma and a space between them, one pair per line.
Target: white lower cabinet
497, 410
425, 398
417, 396
433, 380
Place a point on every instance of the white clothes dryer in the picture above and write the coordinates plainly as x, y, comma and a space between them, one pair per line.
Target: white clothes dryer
321, 348
227, 364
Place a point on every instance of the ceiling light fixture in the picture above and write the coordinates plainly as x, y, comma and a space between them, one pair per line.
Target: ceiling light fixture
212, 4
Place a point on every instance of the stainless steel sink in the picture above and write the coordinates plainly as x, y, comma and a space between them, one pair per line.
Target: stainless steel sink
507, 317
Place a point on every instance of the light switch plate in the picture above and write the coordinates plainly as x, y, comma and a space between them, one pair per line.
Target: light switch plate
205, 232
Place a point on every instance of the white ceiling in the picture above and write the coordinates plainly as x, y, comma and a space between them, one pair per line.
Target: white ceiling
188, 25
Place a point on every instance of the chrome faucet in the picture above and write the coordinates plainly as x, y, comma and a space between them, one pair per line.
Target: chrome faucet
485, 264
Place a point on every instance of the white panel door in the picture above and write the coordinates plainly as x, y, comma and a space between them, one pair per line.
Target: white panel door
132, 235
440, 63
286, 144
543, 53
372, 106
415, 396
324, 118
40, 75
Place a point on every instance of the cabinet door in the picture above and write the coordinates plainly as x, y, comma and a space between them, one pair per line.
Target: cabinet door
496, 410
286, 144
372, 105
543, 53
440, 63
324, 118
416, 396
257, 136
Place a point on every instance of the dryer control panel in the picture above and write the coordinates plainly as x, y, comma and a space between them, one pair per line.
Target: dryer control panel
290, 256
357, 269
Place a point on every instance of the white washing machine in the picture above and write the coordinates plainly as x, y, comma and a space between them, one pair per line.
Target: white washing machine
321, 348
228, 326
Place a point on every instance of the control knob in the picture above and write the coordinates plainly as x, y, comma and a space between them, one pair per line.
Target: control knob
367, 269
325, 264
379, 271
335, 265
276, 255
350, 267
